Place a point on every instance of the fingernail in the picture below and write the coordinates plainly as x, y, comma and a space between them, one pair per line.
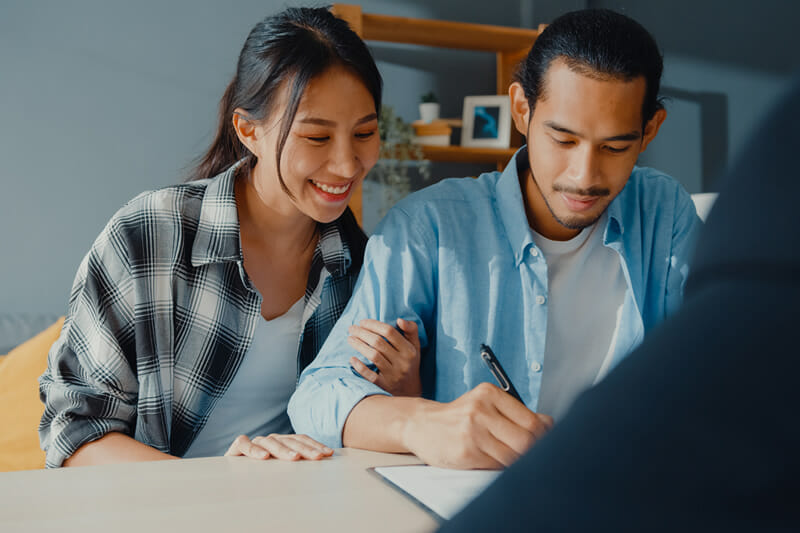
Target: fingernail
261, 454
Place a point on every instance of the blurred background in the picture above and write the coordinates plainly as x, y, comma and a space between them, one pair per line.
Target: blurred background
100, 100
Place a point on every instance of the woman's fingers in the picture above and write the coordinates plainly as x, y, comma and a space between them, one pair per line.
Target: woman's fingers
364, 370
395, 352
285, 447
384, 333
293, 448
277, 449
410, 332
244, 446
377, 357
307, 447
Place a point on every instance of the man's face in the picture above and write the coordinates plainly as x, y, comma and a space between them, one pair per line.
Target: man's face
584, 137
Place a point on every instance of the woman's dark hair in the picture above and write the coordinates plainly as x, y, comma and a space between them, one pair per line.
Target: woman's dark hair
290, 48
598, 43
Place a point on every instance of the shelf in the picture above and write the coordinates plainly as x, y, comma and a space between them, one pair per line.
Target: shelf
510, 45
461, 154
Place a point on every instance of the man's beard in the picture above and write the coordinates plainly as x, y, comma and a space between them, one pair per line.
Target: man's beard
573, 222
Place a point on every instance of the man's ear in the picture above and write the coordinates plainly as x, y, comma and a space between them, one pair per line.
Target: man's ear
652, 127
245, 129
520, 110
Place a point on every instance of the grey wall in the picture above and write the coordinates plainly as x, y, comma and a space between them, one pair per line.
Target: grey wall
100, 100
725, 62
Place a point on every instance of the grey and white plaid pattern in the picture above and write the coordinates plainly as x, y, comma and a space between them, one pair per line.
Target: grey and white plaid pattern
160, 315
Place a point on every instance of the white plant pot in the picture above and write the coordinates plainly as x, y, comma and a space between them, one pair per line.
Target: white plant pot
428, 112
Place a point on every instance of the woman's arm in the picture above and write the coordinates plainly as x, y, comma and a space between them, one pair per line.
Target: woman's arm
114, 448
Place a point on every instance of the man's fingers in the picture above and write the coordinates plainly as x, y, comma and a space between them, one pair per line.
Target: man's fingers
547, 420
512, 409
496, 449
244, 446
517, 438
364, 370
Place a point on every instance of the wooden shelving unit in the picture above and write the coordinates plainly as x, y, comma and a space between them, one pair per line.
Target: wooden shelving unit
461, 154
510, 45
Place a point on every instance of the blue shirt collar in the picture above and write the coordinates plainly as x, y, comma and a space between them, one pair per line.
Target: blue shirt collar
511, 208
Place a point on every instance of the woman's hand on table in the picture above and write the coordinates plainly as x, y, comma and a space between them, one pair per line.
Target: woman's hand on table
284, 447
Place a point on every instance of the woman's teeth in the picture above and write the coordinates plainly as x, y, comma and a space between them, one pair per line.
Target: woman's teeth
332, 190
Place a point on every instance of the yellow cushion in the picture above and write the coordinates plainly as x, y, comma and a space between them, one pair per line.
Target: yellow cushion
20, 407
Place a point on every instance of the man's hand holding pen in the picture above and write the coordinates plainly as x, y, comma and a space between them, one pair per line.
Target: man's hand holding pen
486, 428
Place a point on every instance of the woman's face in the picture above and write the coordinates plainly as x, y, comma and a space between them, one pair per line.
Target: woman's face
332, 144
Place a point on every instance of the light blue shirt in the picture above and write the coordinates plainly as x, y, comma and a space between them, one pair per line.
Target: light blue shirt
459, 259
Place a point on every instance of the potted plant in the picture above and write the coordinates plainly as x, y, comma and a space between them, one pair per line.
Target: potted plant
398, 154
428, 107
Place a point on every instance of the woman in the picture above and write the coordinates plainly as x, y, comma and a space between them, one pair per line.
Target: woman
184, 318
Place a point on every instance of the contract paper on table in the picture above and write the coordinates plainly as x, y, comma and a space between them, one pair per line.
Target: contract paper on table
441, 491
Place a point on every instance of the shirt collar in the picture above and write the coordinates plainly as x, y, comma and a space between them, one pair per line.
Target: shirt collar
615, 227
218, 241
333, 249
512, 208
217, 238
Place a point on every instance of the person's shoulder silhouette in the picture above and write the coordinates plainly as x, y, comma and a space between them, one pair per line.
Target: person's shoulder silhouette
697, 429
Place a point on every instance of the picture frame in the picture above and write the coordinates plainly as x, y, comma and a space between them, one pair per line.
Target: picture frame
486, 121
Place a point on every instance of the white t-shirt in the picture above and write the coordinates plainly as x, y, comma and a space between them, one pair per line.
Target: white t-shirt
586, 290
256, 400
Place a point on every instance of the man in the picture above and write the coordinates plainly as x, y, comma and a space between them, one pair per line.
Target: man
560, 264
704, 433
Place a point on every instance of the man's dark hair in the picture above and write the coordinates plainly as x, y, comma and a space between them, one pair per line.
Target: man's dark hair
598, 43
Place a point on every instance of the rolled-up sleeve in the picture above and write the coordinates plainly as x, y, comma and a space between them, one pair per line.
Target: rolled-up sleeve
396, 281
90, 388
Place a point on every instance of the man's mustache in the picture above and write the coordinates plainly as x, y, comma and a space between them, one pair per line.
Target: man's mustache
591, 191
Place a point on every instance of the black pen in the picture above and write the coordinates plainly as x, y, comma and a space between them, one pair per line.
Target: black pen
499, 374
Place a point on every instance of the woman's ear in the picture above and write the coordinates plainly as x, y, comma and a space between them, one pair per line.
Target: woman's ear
245, 129
520, 110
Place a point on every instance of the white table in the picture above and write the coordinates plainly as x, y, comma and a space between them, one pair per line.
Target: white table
218, 494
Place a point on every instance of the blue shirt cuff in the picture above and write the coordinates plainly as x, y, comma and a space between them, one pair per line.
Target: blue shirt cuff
324, 421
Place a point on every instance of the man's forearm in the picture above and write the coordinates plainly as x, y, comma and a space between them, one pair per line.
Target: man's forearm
381, 423
114, 448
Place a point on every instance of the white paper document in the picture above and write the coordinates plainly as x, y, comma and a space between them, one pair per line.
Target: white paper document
440, 490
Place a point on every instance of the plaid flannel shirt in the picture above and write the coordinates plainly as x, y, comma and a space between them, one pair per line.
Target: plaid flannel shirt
160, 315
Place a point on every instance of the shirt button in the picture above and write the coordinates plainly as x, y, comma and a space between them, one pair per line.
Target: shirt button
540, 300
534, 252
536, 366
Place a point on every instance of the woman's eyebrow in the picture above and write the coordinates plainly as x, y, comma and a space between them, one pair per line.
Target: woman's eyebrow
326, 122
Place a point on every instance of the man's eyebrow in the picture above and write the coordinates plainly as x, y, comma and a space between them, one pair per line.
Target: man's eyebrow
630, 136
330, 123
